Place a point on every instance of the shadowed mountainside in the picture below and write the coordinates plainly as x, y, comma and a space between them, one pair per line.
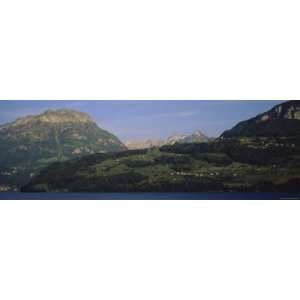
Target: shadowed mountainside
281, 120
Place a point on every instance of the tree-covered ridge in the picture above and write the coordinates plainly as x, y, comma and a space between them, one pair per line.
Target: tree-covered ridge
225, 165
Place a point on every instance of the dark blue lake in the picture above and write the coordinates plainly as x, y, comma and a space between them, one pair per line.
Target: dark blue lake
148, 196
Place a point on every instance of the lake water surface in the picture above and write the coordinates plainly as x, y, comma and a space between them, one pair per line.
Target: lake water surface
148, 196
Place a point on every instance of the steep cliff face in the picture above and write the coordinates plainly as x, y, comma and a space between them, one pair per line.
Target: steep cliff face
289, 110
281, 120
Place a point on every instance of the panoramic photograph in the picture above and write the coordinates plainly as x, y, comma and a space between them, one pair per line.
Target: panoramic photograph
149, 149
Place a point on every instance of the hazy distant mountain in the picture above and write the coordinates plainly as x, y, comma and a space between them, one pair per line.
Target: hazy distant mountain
175, 138
54, 135
281, 120
144, 144
197, 137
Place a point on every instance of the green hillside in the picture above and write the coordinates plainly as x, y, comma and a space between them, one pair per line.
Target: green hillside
244, 164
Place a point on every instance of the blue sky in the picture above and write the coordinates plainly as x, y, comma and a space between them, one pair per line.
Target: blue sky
131, 120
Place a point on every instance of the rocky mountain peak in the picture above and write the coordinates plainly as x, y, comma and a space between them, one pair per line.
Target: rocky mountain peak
144, 144
281, 120
175, 138
59, 116
199, 133
197, 137
289, 110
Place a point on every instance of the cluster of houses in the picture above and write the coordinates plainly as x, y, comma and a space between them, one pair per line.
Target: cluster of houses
211, 174
266, 146
195, 174
10, 172
5, 188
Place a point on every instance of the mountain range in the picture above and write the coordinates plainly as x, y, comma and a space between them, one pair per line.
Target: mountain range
257, 155
197, 137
